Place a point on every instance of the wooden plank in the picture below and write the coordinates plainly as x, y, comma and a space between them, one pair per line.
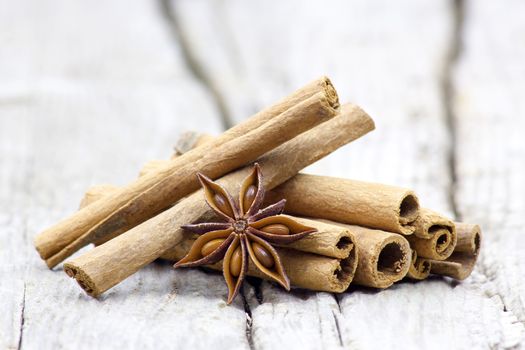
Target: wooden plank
11, 323
389, 58
89, 93
489, 106
54, 102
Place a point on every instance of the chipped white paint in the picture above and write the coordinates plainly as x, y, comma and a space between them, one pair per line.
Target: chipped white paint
90, 92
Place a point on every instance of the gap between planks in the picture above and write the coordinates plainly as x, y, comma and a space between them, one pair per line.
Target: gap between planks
22, 319
180, 38
447, 91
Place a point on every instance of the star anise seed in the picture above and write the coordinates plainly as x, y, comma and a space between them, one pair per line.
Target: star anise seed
247, 231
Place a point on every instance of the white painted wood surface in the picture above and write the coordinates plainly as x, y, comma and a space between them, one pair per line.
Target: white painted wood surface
489, 110
88, 92
392, 58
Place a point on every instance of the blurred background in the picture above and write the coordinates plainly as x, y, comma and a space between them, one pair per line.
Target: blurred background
91, 90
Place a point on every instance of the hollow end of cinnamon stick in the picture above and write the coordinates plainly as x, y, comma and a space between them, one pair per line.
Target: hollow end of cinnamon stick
476, 243
383, 257
82, 278
344, 243
317, 272
390, 260
469, 238
463, 260
329, 240
419, 268
429, 222
345, 272
329, 91
408, 210
439, 246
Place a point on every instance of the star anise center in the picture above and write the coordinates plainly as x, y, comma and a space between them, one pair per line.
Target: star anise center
239, 226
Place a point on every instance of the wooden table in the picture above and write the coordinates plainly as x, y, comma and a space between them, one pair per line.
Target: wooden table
90, 90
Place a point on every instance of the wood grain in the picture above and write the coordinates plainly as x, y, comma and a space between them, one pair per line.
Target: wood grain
394, 60
489, 109
88, 93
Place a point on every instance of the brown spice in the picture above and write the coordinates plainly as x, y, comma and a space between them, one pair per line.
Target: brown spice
153, 193
435, 237
247, 232
144, 243
383, 207
419, 268
461, 263
383, 257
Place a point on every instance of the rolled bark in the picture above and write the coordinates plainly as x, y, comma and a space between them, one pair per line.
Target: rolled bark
373, 205
419, 267
108, 264
441, 233
429, 222
383, 257
461, 263
154, 192
329, 240
316, 272
305, 270
94, 193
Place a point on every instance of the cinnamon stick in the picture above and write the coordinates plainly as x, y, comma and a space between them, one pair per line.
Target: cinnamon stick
329, 240
155, 191
316, 271
441, 233
96, 192
429, 222
320, 272
383, 207
108, 264
419, 267
383, 257
461, 263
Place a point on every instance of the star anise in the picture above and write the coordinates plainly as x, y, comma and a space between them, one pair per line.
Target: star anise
247, 231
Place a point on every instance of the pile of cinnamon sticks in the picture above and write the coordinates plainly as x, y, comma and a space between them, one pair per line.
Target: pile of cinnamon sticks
367, 234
